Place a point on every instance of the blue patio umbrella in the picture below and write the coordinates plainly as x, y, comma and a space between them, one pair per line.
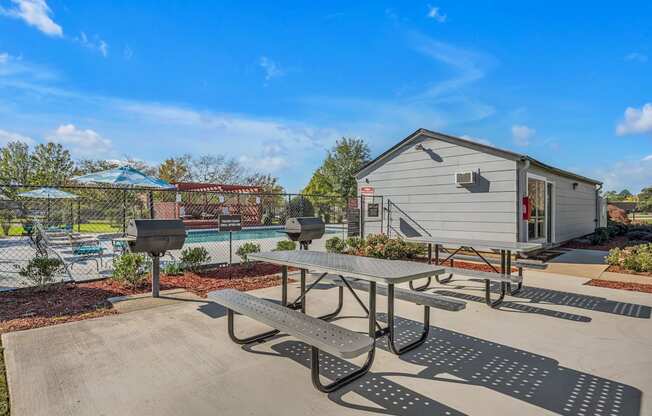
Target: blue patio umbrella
47, 193
126, 177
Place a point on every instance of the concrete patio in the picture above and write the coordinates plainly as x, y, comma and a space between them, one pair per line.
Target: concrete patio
560, 348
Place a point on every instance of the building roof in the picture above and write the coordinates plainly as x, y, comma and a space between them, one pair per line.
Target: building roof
216, 187
370, 166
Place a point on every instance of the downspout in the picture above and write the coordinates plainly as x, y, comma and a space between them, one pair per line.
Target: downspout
597, 205
519, 196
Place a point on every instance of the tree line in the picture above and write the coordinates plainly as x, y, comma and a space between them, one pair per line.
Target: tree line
643, 199
51, 164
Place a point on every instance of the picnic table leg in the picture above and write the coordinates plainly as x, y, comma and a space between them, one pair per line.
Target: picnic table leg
314, 365
390, 325
519, 285
262, 336
429, 279
300, 300
503, 285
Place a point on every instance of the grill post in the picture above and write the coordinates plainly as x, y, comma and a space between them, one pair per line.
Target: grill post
156, 274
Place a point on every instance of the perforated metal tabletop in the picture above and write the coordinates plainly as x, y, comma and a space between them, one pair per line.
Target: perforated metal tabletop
513, 246
366, 268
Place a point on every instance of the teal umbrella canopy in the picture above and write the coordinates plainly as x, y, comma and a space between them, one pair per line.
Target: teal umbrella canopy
125, 176
48, 193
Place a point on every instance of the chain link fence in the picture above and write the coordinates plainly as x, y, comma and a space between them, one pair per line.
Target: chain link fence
84, 228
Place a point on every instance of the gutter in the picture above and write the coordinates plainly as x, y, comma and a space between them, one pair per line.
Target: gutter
597, 205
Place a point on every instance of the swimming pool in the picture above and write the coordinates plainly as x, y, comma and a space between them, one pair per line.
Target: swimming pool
205, 236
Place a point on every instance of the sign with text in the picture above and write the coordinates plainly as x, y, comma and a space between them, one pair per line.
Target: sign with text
230, 222
367, 190
373, 210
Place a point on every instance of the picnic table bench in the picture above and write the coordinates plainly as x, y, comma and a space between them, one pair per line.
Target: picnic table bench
502, 275
351, 272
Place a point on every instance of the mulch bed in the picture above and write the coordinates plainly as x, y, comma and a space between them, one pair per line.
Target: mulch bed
635, 287
468, 265
67, 302
616, 242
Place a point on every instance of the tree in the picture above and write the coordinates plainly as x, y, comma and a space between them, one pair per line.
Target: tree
645, 200
87, 166
216, 169
267, 182
336, 175
175, 169
15, 167
52, 164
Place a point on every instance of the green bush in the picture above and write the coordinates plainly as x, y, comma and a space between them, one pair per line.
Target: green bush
383, 247
130, 268
193, 257
335, 245
355, 243
286, 245
600, 236
246, 249
173, 268
617, 228
640, 235
300, 207
40, 271
635, 258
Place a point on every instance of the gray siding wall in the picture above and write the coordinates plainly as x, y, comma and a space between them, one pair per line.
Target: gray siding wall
574, 210
422, 183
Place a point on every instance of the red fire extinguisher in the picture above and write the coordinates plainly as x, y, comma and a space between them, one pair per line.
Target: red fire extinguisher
527, 208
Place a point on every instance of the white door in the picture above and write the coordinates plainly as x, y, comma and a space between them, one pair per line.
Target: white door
537, 226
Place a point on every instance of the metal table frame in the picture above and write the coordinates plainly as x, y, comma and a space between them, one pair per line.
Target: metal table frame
375, 330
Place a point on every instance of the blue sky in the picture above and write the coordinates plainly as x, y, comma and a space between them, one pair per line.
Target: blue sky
274, 84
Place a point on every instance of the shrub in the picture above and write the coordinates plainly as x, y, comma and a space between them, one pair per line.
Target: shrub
600, 236
286, 245
335, 245
635, 258
300, 207
192, 258
355, 243
383, 247
130, 268
246, 249
173, 268
617, 228
40, 271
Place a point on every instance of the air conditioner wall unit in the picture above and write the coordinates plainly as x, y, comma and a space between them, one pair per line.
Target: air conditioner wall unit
464, 178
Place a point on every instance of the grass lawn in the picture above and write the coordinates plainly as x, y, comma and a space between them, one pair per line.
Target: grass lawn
4, 391
90, 227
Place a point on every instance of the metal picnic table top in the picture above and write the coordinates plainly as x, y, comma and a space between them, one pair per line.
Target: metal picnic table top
366, 268
516, 247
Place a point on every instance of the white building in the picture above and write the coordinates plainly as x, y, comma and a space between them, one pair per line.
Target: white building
452, 187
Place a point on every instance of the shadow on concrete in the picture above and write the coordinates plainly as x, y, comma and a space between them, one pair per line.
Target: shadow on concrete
519, 374
520, 307
592, 303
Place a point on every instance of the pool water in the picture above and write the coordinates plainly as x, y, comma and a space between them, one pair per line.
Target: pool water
246, 234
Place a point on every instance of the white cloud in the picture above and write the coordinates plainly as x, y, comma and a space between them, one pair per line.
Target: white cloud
636, 121
4, 58
470, 66
627, 174
636, 57
435, 13
82, 143
522, 134
8, 136
35, 13
97, 44
271, 68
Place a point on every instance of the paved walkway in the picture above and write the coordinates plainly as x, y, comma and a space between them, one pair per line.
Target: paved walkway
580, 263
559, 348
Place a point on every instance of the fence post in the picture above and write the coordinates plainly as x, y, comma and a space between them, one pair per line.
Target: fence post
150, 200
124, 211
362, 216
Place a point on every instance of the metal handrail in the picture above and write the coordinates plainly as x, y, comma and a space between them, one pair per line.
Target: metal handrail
390, 203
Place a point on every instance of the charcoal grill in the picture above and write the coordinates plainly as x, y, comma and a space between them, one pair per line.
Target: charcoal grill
304, 230
155, 237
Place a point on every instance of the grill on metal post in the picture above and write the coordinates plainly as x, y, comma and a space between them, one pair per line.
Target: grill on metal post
155, 237
304, 230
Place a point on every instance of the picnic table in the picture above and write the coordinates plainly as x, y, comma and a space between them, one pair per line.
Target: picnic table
506, 248
363, 273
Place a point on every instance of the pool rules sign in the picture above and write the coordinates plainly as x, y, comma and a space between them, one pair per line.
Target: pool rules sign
230, 222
